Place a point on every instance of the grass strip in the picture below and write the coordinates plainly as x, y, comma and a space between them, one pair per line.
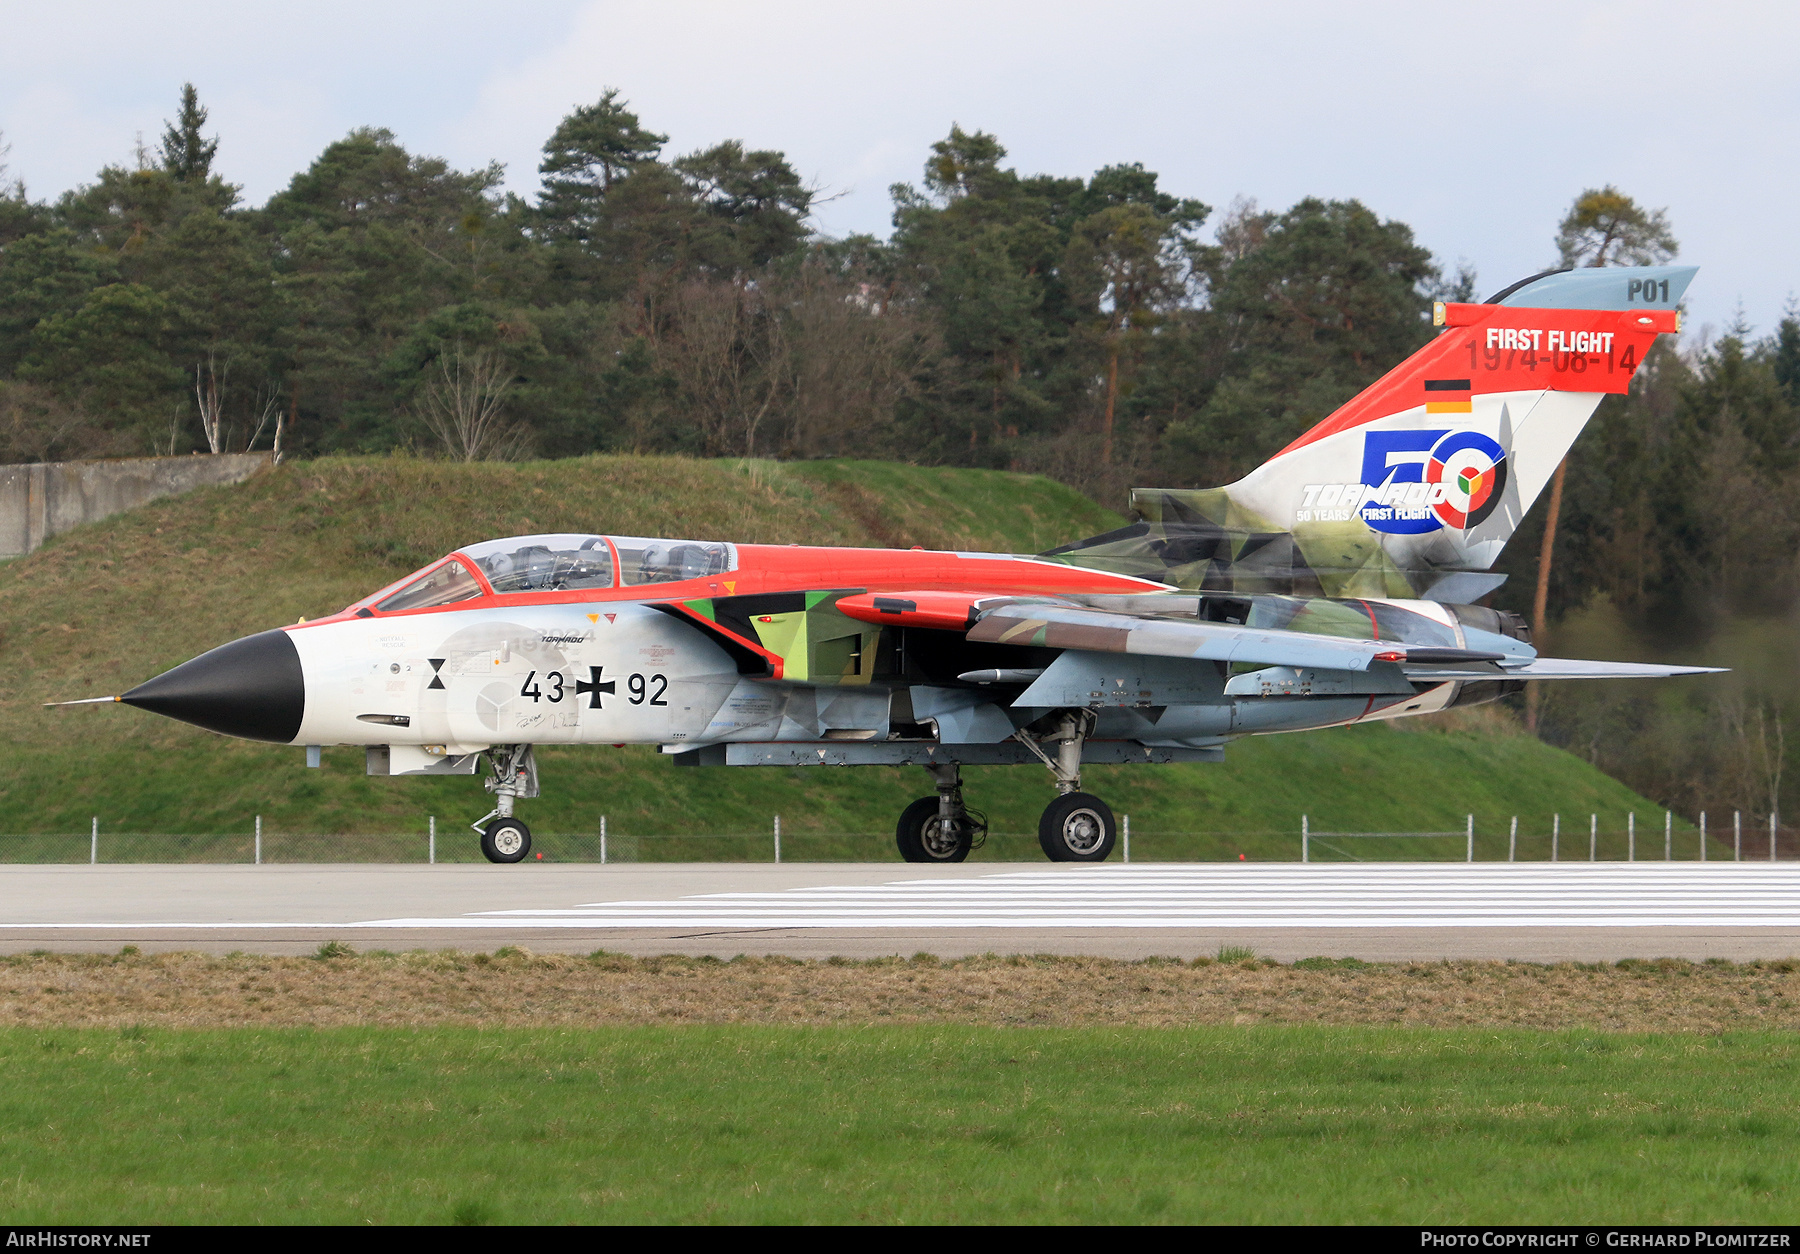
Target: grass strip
896, 1123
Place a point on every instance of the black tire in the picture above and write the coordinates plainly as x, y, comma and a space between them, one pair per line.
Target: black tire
921, 838
1078, 827
506, 840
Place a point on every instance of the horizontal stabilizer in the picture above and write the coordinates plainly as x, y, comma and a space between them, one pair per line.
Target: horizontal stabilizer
1564, 668
1576, 668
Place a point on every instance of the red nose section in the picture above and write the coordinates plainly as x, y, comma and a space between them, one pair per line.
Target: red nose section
251, 688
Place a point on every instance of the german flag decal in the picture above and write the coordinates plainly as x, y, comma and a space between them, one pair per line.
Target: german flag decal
1447, 396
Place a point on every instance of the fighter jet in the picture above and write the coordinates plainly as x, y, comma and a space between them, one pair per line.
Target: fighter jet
1335, 584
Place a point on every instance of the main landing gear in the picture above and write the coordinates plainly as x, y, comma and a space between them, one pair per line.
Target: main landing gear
1076, 827
506, 839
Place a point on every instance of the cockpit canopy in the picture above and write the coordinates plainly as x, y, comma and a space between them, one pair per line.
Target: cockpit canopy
559, 563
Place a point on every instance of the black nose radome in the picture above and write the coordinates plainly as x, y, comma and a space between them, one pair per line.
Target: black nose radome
252, 688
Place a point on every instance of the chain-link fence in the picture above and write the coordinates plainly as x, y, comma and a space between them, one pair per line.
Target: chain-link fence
1565, 838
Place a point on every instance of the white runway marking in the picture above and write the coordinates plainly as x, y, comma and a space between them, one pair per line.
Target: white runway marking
1530, 895
1393, 895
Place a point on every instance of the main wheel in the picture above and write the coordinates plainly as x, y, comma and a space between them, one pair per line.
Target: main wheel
1077, 827
506, 840
925, 837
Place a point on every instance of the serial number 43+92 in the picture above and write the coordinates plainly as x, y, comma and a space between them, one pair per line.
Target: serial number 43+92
639, 688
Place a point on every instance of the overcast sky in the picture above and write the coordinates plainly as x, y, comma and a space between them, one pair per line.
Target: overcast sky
1474, 123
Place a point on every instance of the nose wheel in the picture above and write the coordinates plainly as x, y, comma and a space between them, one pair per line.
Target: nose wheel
940, 828
925, 835
505, 840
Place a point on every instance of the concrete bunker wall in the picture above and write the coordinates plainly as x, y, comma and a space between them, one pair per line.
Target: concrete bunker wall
48, 498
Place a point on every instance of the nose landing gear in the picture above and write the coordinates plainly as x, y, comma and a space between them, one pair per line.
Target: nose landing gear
506, 839
940, 828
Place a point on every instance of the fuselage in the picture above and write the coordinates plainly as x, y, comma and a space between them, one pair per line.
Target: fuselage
624, 660
610, 640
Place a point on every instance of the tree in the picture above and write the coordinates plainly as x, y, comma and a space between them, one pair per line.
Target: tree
366, 242
1606, 227
590, 150
186, 155
19, 217
756, 194
1307, 308
1128, 265
1787, 354
113, 355
462, 403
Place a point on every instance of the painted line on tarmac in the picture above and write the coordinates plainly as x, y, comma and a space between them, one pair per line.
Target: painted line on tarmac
1297, 896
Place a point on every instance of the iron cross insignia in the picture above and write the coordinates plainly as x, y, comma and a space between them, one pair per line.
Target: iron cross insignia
594, 685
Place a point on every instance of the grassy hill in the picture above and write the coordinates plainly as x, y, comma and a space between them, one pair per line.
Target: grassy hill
105, 607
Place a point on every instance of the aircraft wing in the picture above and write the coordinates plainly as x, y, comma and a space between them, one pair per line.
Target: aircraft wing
1056, 623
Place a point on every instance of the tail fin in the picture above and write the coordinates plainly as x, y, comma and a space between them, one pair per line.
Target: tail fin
1415, 485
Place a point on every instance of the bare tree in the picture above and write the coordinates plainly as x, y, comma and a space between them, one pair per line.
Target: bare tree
270, 407
37, 426
731, 356
462, 404
209, 384
854, 359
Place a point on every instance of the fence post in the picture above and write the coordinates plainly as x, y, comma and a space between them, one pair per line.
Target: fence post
1593, 838
1512, 841
94, 844
1668, 835
1737, 835
1306, 840
1127, 840
431, 844
1471, 856
259, 840
1771, 835
1555, 834
602, 840
777, 838
1631, 837
1703, 835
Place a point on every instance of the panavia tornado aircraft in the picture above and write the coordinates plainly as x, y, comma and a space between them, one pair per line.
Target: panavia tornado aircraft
1332, 585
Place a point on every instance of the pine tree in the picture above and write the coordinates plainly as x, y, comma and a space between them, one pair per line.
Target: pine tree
592, 148
1605, 227
1787, 353
186, 155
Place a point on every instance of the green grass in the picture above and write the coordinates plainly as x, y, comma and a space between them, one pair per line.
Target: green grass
104, 607
896, 1124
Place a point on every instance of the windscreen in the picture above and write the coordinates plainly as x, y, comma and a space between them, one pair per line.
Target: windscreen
449, 582
548, 563
666, 561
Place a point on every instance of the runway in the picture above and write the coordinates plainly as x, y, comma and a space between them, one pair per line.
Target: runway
1527, 911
